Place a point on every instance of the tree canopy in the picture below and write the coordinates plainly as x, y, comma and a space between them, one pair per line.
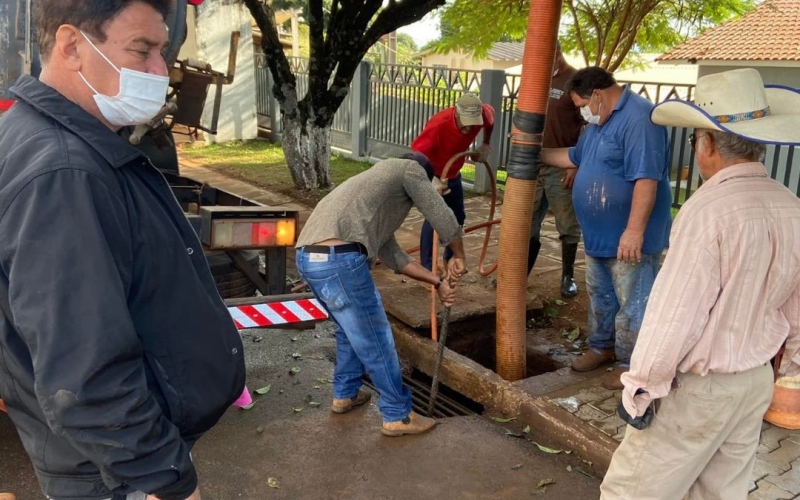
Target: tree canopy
604, 32
341, 33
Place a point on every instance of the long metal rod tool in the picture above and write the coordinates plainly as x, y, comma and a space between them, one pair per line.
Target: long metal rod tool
439, 358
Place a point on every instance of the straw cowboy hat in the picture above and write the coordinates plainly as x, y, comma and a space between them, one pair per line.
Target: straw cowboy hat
738, 102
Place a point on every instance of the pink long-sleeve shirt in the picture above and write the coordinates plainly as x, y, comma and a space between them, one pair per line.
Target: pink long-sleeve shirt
728, 294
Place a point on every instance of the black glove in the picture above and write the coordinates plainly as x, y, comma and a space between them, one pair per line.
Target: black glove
638, 423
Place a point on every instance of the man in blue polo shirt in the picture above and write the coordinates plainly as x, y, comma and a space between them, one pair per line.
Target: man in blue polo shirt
622, 200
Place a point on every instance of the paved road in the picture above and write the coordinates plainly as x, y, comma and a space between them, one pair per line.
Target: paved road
316, 455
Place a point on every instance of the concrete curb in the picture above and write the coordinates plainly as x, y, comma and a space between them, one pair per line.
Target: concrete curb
547, 420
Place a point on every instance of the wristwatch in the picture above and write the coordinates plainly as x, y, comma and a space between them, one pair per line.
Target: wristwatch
437, 285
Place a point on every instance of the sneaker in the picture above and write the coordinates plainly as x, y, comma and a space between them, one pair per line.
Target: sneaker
414, 423
345, 405
569, 288
611, 380
593, 359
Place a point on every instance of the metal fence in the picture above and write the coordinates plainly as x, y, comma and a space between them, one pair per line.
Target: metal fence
401, 99
263, 87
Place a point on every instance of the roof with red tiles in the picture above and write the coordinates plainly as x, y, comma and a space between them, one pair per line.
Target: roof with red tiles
770, 32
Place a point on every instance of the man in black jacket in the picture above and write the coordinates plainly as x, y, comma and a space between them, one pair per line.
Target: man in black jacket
116, 351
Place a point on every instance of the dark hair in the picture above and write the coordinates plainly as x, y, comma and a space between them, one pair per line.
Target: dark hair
423, 161
587, 80
91, 16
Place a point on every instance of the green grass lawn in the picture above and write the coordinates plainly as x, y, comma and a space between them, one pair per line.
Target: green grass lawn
262, 163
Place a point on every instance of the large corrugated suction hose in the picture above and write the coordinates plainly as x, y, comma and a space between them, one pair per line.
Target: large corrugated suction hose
523, 169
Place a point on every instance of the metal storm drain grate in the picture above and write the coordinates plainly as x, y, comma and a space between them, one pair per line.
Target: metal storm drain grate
445, 407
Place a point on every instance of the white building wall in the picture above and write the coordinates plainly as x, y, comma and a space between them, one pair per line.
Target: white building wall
214, 23
781, 75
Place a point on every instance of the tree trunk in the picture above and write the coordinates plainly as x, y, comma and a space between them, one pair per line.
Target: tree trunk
307, 148
353, 27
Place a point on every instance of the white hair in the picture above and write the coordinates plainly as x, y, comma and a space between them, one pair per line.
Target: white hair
734, 147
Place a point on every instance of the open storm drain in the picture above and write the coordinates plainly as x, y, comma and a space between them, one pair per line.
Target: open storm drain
448, 403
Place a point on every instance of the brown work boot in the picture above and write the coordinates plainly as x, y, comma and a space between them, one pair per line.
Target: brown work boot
611, 380
592, 359
7, 496
414, 423
345, 405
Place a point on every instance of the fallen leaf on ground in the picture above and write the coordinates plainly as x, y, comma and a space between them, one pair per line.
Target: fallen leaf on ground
313, 403
580, 469
513, 434
263, 390
297, 410
295, 339
258, 339
539, 491
516, 467
297, 355
587, 462
273, 483
574, 334
527, 429
294, 370
560, 302
545, 482
548, 450
249, 407
551, 312
324, 381
317, 387
502, 420
569, 468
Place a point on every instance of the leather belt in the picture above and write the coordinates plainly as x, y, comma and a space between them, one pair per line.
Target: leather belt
346, 248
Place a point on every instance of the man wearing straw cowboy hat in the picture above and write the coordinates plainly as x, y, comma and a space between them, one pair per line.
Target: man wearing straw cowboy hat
725, 300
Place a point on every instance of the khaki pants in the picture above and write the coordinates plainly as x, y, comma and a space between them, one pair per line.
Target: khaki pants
701, 444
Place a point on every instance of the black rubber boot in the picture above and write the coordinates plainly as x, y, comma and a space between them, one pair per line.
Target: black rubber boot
569, 288
533, 251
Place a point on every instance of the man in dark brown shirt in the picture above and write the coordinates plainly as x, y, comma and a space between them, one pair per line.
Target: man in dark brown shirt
554, 188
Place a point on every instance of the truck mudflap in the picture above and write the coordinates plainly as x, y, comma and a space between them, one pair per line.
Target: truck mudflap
277, 314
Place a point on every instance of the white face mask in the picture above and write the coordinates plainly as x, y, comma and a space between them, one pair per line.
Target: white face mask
140, 98
587, 115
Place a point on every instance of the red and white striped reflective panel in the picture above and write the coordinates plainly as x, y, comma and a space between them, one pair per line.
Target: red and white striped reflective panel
277, 313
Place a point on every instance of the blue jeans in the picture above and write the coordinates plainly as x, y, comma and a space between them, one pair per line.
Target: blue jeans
343, 284
618, 294
454, 200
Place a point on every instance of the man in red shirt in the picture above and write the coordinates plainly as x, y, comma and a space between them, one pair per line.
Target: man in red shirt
447, 133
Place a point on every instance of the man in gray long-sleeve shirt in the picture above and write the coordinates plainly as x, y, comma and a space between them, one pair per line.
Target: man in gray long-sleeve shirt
351, 226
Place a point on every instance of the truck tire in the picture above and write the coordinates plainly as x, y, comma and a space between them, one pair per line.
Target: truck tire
231, 282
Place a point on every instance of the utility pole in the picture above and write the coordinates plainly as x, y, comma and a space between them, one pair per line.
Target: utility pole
296, 32
392, 48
